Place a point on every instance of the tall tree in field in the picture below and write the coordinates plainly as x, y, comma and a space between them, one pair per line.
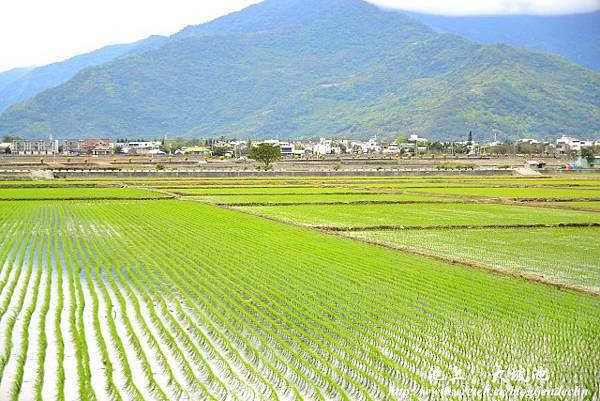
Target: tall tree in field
266, 154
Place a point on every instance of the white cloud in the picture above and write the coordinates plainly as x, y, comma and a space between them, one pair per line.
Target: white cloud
493, 7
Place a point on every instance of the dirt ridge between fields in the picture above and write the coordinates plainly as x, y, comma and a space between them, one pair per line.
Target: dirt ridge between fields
449, 227
109, 198
185, 194
366, 202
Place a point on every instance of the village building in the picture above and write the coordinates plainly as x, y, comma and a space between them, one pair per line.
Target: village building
566, 144
72, 146
371, 146
528, 141
95, 147
42, 147
196, 151
392, 150
141, 148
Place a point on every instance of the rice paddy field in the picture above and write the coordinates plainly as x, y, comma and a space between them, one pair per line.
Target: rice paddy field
576, 263
283, 289
279, 199
77, 193
517, 193
424, 215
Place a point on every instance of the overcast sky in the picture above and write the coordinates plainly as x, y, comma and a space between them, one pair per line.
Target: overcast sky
38, 32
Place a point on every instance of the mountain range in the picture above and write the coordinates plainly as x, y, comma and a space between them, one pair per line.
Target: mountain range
309, 68
8, 77
576, 36
21, 84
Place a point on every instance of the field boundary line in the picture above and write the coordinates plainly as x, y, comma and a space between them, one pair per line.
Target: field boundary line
186, 194
83, 199
549, 205
57, 186
374, 202
450, 227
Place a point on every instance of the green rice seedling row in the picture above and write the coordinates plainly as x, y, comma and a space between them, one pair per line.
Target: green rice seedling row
191, 306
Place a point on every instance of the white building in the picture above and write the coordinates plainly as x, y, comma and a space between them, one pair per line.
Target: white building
528, 141
141, 148
288, 149
565, 143
417, 139
42, 147
371, 146
392, 150
324, 147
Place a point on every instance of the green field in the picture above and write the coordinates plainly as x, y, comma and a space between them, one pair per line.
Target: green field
424, 215
515, 193
567, 255
549, 181
491, 184
108, 296
267, 190
314, 198
236, 306
75, 193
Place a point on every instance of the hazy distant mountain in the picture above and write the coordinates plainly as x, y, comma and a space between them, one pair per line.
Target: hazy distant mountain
576, 37
10, 76
29, 82
318, 68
